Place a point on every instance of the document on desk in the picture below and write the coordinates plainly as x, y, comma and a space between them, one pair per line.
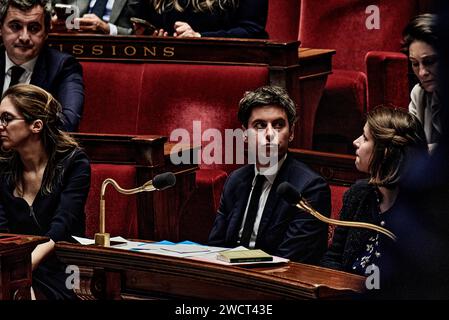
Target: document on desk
212, 258
115, 241
184, 249
164, 247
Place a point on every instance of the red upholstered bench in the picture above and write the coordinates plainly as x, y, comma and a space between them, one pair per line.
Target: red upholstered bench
112, 93
174, 96
128, 98
362, 78
121, 219
110, 88
283, 20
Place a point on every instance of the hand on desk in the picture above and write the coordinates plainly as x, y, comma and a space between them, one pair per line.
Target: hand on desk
41, 252
160, 33
92, 24
182, 30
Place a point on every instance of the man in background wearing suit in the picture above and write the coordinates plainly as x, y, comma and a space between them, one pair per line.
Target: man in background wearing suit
251, 213
24, 57
103, 16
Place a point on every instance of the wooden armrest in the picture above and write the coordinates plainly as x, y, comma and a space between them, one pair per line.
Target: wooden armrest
336, 168
141, 150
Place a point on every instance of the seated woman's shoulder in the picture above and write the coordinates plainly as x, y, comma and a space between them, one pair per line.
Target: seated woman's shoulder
360, 187
73, 155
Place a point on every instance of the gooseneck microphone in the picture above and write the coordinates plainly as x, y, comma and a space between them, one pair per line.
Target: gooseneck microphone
160, 182
292, 196
164, 180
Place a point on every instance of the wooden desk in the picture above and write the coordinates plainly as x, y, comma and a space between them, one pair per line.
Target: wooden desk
159, 213
108, 273
314, 67
15, 265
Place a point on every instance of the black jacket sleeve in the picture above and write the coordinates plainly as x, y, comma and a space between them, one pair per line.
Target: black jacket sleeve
248, 21
69, 217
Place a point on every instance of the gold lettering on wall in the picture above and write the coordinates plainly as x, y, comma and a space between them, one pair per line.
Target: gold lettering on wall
97, 50
169, 51
151, 51
78, 49
114, 50
130, 51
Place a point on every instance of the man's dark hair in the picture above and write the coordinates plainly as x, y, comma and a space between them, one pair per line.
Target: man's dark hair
420, 28
266, 96
26, 5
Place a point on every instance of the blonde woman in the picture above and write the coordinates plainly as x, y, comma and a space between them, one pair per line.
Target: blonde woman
204, 18
44, 181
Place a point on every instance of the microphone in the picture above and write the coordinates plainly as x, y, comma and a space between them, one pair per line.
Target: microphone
294, 197
289, 193
160, 182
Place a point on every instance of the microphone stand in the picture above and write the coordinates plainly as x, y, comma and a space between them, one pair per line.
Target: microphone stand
304, 205
102, 238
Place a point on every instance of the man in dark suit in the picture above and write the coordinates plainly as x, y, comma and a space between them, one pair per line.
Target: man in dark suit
24, 57
268, 116
114, 19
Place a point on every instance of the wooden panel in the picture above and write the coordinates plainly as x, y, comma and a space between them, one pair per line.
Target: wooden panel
160, 49
158, 212
15, 265
154, 276
338, 169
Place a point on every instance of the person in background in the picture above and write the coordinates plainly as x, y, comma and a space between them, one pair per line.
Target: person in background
420, 41
423, 242
25, 58
390, 137
102, 16
44, 181
251, 212
204, 18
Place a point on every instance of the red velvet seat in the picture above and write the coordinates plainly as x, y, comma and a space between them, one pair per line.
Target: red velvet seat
112, 93
200, 216
344, 90
283, 20
157, 99
121, 212
337, 192
210, 95
110, 90
341, 25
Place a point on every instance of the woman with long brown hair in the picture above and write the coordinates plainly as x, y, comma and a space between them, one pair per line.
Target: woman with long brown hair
44, 181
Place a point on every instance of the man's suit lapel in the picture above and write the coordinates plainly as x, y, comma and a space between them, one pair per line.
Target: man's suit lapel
2, 66
273, 199
39, 76
242, 195
116, 10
